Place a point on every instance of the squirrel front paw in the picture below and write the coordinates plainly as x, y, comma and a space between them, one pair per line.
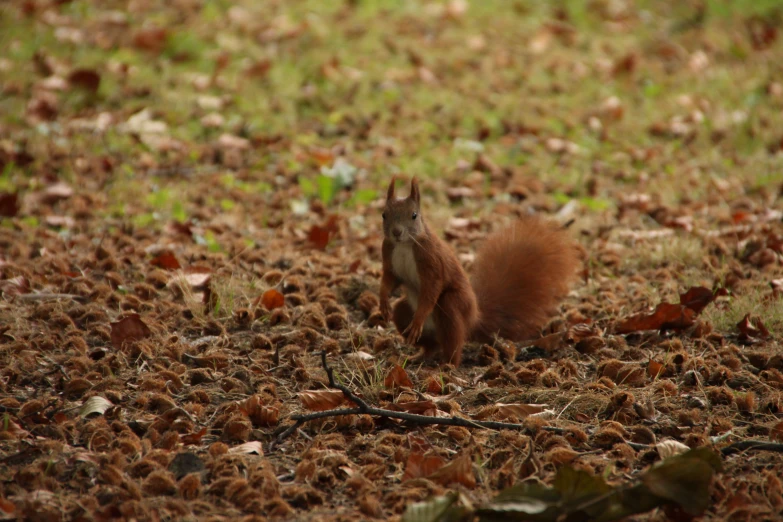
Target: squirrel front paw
413, 332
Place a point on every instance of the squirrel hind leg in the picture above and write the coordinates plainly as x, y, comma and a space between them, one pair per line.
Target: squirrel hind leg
451, 327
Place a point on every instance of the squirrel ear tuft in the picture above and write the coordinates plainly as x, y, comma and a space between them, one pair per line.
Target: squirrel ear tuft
390, 190
414, 189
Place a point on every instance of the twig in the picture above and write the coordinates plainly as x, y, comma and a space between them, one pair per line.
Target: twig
362, 408
46, 296
744, 445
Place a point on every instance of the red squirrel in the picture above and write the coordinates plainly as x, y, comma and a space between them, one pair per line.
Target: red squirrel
519, 276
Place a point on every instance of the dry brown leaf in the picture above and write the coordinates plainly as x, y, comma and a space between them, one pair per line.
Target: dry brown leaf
9, 204
272, 299
260, 414
320, 236
669, 448
519, 411
752, 329
87, 79
15, 286
397, 377
459, 471
321, 400
167, 261
665, 317
697, 298
427, 408
128, 329
434, 386
11, 430
247, 448
7, 509
193, 438
776, 433
655, 369
151, 39
420, 465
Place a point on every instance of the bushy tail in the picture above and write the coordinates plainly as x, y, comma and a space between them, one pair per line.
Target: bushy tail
519, 277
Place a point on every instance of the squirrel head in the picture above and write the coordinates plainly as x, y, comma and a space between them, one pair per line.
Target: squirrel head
401, 220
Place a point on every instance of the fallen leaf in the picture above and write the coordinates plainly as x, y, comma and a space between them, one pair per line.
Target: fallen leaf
428, 408
420, 465
151, 39
433, 509
655, 369
752, 329
320, 236
258, 69
321, 400
434, 386
193, 438
87, 79
669, 448
519, 411
625, 65
776, 433
248, 448
197, 277
128, 329
56, 192
684, 479
697, 298
11, 428
7, 508
272, 299
260, 414
214, 361
397, 377
229, 141
9, 204
15, 286
459, 470
165, 260
665, 317
360, 355
95, 405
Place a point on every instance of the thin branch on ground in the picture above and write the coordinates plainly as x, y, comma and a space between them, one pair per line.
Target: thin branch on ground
43, 296
736, 447
365, 409
745, 445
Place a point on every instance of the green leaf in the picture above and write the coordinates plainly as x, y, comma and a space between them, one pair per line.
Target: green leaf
685, 479
178, 211
581, 491
432, 510
327, 188
307, 186
530, 501
364, 196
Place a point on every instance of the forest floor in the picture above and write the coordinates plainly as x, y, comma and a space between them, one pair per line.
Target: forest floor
190, 196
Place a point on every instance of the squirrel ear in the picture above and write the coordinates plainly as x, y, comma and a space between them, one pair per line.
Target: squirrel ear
390, 190
414, 189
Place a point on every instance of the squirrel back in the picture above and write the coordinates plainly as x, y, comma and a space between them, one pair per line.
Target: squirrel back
519, 277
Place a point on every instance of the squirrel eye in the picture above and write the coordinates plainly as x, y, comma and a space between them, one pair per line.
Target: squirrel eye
383, 215
414, 215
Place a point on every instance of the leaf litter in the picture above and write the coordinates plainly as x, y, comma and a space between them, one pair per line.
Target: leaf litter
175, 256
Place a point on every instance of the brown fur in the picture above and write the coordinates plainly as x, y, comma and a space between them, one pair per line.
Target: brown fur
519, 276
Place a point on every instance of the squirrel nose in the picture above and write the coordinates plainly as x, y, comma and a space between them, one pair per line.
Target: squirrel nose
397, 232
